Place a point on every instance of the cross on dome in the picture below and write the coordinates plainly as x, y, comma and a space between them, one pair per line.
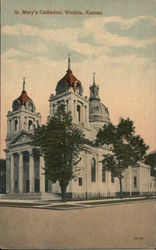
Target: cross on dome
94, 74
23, 99
68, 81
24, 84
69, 61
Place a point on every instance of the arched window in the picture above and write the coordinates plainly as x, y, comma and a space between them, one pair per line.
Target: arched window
30, 106
78, 88
93, 170
103, 173
16, 125
30, 125
79, 112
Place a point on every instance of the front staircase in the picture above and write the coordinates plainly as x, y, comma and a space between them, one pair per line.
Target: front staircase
30, 196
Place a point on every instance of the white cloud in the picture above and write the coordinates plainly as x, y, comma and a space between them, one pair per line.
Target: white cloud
12, 53
70, 36
39, 47
109, 39
127, 23
20, 29
9, 30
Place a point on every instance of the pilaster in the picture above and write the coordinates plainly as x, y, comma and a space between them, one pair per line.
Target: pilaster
8, 180
31, 172
20, 172
12, 173
42, 176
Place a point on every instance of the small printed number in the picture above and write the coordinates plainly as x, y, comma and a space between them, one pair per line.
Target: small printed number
138, 238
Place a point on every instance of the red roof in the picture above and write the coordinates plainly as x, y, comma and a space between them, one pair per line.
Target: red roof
23, 98
70, 78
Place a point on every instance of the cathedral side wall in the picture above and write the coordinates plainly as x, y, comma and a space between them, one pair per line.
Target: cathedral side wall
97, 188
144, 179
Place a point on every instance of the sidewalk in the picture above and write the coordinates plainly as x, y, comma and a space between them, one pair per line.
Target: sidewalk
49, 204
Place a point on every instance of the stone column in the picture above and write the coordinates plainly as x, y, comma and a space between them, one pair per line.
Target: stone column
20, 172
22, 120
42, 176
31, 173
25, 123
12, 173
8, 187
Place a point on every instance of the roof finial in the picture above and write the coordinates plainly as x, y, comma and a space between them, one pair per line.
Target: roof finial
69, 61
24, 84
94, 77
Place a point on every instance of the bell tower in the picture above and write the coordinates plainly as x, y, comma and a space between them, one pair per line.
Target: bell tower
23, 170
23, 116
69, 91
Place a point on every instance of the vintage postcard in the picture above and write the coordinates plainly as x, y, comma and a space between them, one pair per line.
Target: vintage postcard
86, 70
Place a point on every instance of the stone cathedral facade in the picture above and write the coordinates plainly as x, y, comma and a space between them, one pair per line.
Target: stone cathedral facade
24, 173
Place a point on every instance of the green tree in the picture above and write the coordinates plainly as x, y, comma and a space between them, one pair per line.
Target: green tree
60, 143
150, 160
125, 148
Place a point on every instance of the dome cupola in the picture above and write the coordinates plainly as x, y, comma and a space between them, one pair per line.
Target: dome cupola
98, 112
23, 100
69, 81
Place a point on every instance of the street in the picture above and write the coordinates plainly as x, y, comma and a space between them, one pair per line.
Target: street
130, 225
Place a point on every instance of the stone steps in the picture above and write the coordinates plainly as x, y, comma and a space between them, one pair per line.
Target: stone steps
30, 196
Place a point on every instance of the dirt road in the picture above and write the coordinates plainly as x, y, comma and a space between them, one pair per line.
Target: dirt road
125, 226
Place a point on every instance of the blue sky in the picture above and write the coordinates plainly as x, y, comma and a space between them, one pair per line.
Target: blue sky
141, 13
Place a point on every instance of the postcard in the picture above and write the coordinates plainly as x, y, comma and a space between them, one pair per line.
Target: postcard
98, 58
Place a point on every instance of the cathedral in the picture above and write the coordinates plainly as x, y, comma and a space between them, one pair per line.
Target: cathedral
24, 172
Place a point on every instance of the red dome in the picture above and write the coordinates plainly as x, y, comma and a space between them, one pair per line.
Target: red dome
70, 78
23, 98
68, 81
